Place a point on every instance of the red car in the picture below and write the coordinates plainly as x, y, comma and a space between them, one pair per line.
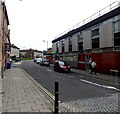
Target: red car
61, 66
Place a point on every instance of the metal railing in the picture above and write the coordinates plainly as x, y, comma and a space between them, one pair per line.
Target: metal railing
103, 11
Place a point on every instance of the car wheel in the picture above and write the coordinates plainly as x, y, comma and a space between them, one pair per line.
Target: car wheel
69, 70
59, 70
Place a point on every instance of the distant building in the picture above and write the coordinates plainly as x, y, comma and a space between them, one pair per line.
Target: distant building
98, 38
49, 51
15, 51
30, 53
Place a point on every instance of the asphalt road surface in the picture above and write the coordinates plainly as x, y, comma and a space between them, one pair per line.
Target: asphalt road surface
72, 86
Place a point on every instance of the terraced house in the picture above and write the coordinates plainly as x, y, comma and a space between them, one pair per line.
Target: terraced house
97, 38
4, 37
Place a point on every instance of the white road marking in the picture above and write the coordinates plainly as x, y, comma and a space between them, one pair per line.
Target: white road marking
104, 86
18, 63
49, 70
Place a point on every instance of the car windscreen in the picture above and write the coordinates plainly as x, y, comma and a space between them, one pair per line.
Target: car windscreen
62, 63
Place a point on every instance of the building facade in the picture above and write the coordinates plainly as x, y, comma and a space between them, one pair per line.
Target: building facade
97, 39
31, 53
4, 37
15, 51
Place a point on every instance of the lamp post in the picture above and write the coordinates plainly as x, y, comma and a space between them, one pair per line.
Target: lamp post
47, 43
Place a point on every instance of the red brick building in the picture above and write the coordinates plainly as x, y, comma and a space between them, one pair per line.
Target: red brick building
30, 53
4, 37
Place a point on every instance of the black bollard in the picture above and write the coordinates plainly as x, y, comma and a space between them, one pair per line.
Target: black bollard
56, 97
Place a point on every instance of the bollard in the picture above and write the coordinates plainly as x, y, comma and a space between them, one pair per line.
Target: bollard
56, 108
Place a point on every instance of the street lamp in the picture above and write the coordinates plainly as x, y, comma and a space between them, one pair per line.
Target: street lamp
47, 43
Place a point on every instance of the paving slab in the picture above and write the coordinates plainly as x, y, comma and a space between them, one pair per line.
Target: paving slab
21, 95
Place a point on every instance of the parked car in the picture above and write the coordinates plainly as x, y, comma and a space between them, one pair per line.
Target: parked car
61, 66
38, 60
16, 59
45, 62
35, 59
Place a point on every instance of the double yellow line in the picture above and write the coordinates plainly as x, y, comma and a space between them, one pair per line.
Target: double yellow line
38, 85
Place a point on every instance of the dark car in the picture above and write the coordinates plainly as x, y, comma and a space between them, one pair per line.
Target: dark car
16, 59
61, 66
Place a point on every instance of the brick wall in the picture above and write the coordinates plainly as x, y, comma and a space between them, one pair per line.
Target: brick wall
107, 61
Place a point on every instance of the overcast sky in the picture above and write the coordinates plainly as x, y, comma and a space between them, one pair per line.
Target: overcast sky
32, 21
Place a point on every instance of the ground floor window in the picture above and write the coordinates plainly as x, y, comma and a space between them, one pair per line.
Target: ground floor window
69, 58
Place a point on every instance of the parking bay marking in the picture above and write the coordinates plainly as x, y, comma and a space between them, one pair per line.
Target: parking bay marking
104, 86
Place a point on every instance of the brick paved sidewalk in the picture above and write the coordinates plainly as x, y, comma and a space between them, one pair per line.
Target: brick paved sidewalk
21, 95
99, 105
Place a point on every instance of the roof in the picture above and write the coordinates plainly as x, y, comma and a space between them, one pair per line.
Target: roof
6, 14
13, 46
31, 50
104, 17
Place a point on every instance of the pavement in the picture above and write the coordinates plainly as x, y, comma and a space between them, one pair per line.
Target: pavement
104, 77
0, 94
18, 93
21, 95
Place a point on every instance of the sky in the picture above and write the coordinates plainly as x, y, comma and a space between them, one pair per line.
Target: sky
32, 21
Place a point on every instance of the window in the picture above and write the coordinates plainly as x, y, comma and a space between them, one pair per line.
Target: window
95, 32
95, 38
117, 39
117, 26
95, 43
117, 33
63, 44
80, 41
80, 36
70, 44
57, 47
80, 45
75, 58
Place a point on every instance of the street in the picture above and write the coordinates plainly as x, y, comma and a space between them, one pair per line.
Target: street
60, 59
72, 86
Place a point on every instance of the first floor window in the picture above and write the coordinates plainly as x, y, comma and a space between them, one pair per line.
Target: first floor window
117, 39
95, 32
70, 44
80, 45
117, 26
63, 44
95, 43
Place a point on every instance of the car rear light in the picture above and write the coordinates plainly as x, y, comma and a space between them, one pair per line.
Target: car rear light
64, 66
68, 66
